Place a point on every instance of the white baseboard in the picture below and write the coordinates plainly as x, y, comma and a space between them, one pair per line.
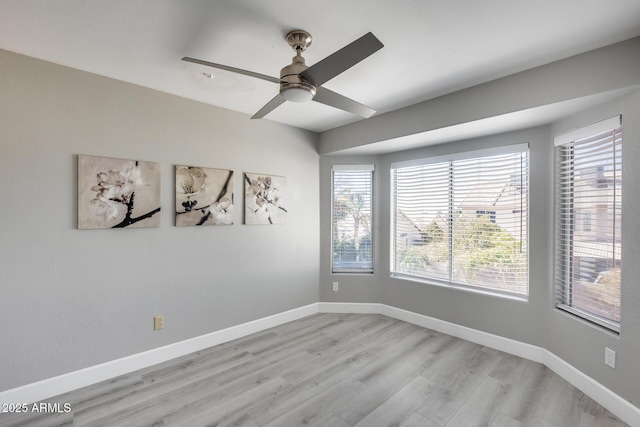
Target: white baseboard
51, 387
55, 386
350, 307
607, 398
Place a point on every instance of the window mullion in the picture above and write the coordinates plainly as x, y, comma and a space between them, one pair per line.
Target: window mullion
451, 204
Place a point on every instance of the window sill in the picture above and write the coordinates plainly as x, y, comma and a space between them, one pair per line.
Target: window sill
591, 319
464, 288
352, 273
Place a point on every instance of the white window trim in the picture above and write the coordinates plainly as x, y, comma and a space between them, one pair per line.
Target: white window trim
354, 167
485, 152
463, 155
587, 131
602, 126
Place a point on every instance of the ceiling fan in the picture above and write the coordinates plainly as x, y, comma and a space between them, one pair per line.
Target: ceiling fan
301, 83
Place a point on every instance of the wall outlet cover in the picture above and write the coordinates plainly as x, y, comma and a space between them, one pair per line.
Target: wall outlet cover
158, 322
610, 357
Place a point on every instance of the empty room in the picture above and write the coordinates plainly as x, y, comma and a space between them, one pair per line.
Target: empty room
343, 213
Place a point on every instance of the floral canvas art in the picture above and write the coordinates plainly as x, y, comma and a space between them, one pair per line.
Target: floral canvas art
115, 193
204, 196
265, 199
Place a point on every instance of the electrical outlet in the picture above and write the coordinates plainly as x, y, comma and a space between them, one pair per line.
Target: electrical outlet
336, 286
610, 358
158, 322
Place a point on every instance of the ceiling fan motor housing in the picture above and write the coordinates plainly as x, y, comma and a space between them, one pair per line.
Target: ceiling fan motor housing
291, 83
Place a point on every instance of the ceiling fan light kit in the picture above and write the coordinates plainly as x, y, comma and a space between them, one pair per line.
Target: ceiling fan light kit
301, 83
297, 92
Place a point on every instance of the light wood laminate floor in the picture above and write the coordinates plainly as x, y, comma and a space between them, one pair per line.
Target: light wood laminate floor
334, 370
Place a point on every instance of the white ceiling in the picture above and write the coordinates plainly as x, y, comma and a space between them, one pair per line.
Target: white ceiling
432, 47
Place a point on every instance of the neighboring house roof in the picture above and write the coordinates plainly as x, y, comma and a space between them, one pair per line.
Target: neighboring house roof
490, 196
440, 220
403, 217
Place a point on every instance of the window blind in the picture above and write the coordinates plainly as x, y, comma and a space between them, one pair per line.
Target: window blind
351, 219
588, 223
464, 221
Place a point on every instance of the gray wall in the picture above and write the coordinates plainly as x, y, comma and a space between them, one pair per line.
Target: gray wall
74, 298
537, 321
580, 343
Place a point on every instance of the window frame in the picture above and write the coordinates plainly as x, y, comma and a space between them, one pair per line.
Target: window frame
565, 228
451, 158
370, 170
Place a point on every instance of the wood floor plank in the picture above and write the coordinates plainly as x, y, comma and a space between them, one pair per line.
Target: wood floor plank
36, 419
315, 408
520, 404
417, 420
384, 378
458, 353
455, 389
395, 410
483, 405
298, 338
330, 420
309, 324
200, 377
502, 420
540, 394
333, 370
589, 420
351, 332
510, 368
217, 363
95, 393
369, 339
368, 400
158, 399
217, 412
304, 391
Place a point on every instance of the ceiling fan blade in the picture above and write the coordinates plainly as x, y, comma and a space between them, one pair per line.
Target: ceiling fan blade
232, 69
342, 60
332, 99
271, 105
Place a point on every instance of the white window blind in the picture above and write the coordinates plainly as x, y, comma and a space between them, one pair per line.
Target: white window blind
351, 219
588, 222
463, 222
